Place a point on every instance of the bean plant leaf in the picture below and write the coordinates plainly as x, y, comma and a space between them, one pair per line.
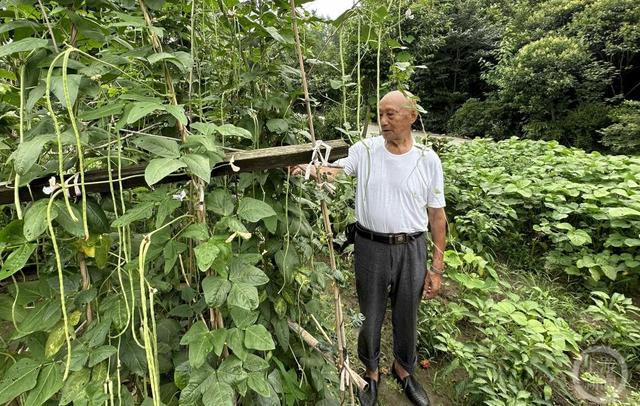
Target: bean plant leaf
23, 45
579, 237
230, 130
16, 260
142, 211
19, 378
257, 337
160, 168
219, 394
159, 146
49, 383
619, 212
215, 290
220, 202
249, 274
258, 382
198, 165
244, 296
27, 154
74, 386
254, 210
142, 109
206, 254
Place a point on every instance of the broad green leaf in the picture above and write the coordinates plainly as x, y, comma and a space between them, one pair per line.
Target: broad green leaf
619, 212
177, 112
16, 260
160, 168
230, 130
243, 296
230, 371
58, 87
579, 237
218, 338
96, 218
198, 232
198, 165
133, 357
159, 146
235, 341
109, 109
215, 290
258, 382
66, 222
100, 354
56, 338
200, 344
74, 386
220, 202
49, 383
141, 211
248, 274
142, 109
243, 318
278, 125
16, 24
27, 154
167, 57
273, 31
206, 254
257, 337
23, 45
254, 363
219, 394
254, 210
19, 378
519, 318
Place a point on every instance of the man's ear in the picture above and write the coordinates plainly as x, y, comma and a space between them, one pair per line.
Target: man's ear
414, 116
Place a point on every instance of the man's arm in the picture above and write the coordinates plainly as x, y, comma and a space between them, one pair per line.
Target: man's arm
438, 227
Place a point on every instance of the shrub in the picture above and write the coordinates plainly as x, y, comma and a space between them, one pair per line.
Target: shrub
623, 136
488, 118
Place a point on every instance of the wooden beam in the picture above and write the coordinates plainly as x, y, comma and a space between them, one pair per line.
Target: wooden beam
253, 160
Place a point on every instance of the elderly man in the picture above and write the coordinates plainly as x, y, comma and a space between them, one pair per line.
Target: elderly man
400, 192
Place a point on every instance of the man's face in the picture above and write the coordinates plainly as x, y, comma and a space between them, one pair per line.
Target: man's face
396, 118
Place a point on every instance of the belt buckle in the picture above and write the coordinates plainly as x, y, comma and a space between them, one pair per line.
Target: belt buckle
399, 238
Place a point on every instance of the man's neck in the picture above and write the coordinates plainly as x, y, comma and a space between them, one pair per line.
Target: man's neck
399, 146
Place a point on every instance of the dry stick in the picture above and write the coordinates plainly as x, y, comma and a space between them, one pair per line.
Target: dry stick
313, 343
323, 204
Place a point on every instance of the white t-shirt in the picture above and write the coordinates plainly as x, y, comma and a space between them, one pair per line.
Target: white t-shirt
394, 191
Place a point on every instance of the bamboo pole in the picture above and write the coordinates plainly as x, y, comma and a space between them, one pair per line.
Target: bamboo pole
323, 204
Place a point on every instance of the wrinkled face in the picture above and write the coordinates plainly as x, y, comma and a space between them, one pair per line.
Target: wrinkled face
396, 117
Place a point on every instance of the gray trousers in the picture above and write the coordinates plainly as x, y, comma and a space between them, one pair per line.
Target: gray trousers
389, 271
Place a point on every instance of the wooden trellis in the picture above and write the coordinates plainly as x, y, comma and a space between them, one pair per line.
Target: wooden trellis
97, 181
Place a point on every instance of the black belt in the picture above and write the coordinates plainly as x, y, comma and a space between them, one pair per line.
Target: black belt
397, 238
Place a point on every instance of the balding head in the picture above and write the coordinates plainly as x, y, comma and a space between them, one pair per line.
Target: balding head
398, 112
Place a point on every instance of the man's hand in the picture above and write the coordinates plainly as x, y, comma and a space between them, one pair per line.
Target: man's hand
432, 283
300, 170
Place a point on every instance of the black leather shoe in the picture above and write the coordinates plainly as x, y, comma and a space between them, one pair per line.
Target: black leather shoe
412, 389
369, 396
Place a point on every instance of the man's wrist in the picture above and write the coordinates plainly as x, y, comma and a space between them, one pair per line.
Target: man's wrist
436, 270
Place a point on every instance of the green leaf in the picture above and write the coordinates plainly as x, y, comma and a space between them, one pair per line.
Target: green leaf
142, 109
177, 112
19, 378
273, 31
230, 371
23, 45
49, 383
96, 217
218, 338
141, 211
16, 260
254, 210
167, 57
58, 87
198, 232
254, 363
230, 130
27, 154
243, 296
249, 274
215, 290
243, 318
258, 382
257, 337
159, 168
198, 165
74, 386
200, 343
219, 394
619, 212
579, 237
519, 318
278, 125
109, 109
159, 146
66, 222
220, 202
100, 354
206, 254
